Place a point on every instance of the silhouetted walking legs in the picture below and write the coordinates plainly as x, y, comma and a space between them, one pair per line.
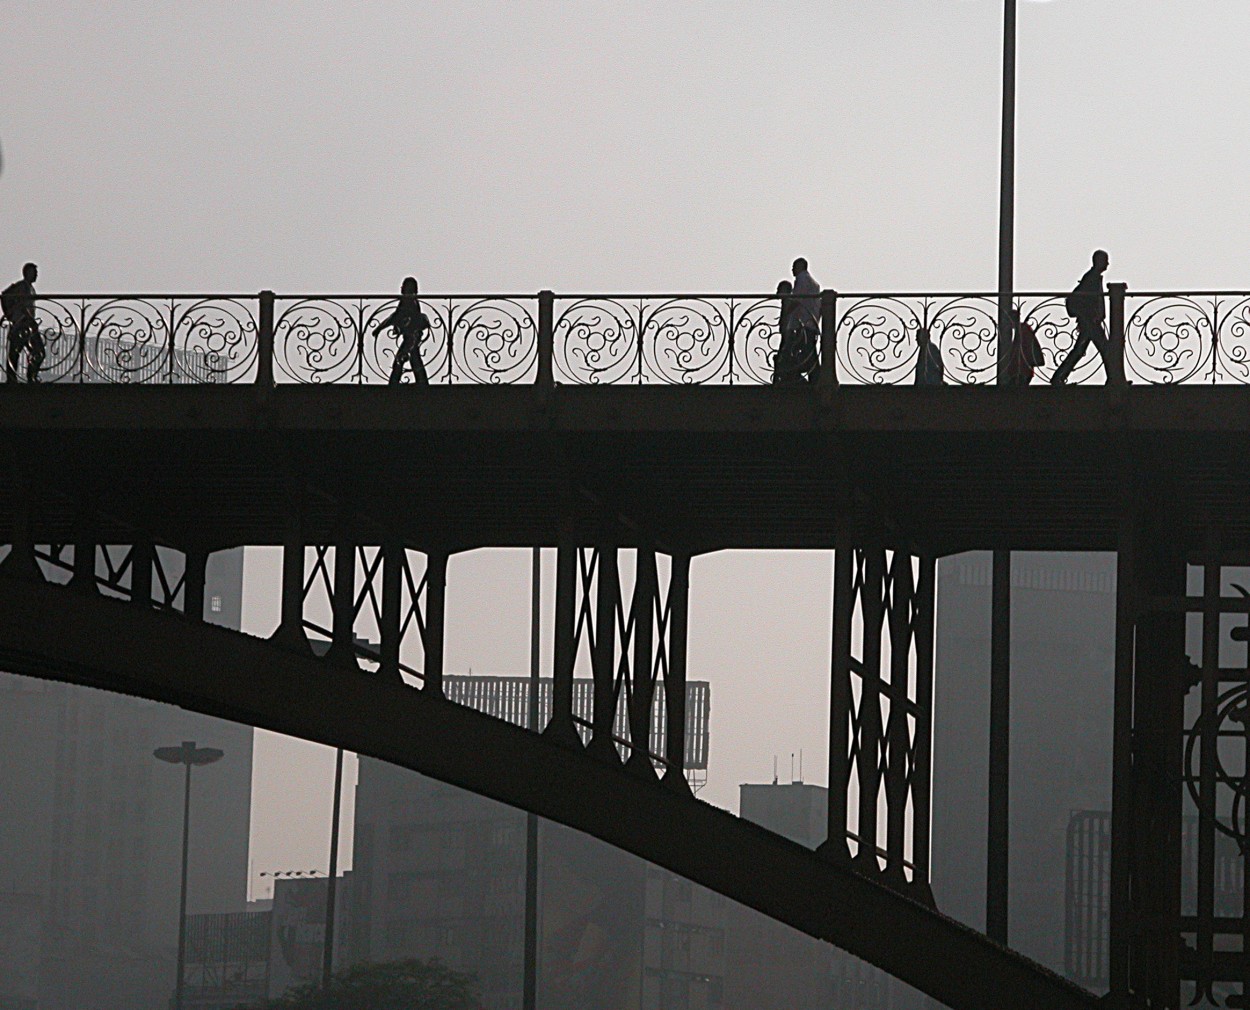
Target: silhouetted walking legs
25, 336
409, 353
1088, 331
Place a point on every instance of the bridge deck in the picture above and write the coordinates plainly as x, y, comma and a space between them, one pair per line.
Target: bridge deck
941, 469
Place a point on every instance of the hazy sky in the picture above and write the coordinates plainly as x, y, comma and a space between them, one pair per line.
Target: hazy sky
595, 146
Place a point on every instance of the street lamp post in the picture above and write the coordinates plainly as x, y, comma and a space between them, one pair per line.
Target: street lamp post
188, 755
1007, 192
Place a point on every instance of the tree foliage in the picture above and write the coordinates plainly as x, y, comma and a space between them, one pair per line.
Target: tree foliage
390, 985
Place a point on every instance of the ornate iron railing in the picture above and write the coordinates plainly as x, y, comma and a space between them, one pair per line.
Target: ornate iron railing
680, 339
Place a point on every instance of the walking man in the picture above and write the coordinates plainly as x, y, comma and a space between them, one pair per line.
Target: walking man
804, 319
18, 305
410, 325
1088, 305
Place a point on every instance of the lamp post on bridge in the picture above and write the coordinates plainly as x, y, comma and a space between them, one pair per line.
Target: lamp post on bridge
189, 755
1007, 192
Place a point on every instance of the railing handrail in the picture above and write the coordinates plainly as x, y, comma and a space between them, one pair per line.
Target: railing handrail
546, 338
578, 295
517, 296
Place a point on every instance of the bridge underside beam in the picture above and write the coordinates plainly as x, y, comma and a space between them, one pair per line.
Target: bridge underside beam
51, 632
703, 468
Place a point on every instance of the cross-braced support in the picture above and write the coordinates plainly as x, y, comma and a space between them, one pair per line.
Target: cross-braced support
1179, 929
633, 638
881, 720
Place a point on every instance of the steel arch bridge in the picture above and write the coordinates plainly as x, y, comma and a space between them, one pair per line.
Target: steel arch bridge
123, 493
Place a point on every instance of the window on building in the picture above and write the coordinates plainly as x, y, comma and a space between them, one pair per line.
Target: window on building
214, 604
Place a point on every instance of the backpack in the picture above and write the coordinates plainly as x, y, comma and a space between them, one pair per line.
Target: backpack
1072, 304
10, 299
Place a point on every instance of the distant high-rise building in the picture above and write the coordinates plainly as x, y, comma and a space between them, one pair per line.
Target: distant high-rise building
770, 966
91, 831
1062, 666
440, 872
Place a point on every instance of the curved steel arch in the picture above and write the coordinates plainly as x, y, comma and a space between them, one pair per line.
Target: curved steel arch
58, 633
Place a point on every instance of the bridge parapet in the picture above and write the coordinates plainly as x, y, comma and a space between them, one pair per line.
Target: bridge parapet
597, 339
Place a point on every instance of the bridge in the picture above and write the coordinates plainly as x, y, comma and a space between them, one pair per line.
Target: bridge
167, 437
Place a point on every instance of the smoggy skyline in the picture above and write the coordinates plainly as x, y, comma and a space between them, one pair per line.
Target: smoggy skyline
660, 146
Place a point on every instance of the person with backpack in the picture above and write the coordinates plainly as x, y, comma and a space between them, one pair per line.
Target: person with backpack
929, 368
1026, 352
785, 364
17, 302
1087, 305
410, 325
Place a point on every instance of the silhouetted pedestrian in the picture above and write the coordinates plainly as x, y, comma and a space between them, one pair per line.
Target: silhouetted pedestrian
929, 368
1026, 352
785, 365
18, 305
805, 319
1087, 305
410, 325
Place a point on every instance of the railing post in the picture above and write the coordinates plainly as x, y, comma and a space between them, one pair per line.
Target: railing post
1115, 323
675, 681
264, 341
828, 343
435, 619
545, 379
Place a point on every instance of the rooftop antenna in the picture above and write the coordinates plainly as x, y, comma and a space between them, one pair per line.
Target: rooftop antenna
774, 769
792, 768
800, 766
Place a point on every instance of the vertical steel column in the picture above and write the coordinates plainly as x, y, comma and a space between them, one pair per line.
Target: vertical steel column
529, 994
997, 849
1158, 751
327, 946
607, 602
868, 761
840, 702
560, 726
675, 682
392, 591
343, 603
435, 617
897, 737
193, 576
642, 694
180, 984
85, 540
840, 698
922, 773
1120, 940
142, 556
20, 561
290, 632
1208, 743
